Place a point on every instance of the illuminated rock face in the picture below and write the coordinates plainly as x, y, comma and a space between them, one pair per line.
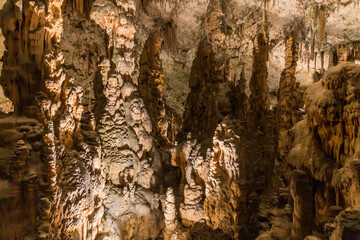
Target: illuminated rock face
106, 142
225, 186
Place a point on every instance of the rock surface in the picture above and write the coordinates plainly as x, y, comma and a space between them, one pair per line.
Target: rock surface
206, 119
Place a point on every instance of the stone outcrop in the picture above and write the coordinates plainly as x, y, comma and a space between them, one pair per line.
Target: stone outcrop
338, 97
346, 225
326, 137
68, 180
225, 186
126, 131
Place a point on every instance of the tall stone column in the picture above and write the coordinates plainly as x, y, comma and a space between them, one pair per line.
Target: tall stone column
208, 101
287, 93
151, 81
303, 205
258, 82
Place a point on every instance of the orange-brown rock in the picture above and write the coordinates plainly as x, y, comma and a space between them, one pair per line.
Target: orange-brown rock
287, 93
151, 82
302, 194
258, 82
225, 186
335, 95
208, 102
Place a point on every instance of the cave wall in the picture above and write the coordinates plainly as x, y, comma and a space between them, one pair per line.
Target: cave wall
179, 120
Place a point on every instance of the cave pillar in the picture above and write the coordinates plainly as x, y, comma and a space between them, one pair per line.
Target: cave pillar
287, 94
303, 205
258, 82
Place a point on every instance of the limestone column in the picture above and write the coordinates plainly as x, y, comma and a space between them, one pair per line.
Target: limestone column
303, 205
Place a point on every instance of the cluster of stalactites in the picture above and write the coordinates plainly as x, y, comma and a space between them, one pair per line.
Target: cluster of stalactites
337, 122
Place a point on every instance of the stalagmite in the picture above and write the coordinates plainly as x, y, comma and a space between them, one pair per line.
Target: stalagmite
225, 186
288, 105
303, 215
208, 101
258, 83
49, 158
17, 165
170, 214
151, 82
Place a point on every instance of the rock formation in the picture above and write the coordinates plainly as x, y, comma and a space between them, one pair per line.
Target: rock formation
288, 105
204, 119
258, 83
226, 192
151, 84
207, 102
302, 217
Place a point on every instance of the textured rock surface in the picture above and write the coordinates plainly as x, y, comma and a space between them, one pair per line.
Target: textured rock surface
288, 105
207, 102
206, 119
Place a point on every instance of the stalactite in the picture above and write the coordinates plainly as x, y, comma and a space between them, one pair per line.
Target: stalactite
120, 172
23, 44
321, 25
239, 99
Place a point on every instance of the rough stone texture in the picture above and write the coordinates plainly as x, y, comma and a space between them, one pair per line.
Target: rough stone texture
288, 105
207, 102
151, 85
258, 83
346, 225
325, 147
94, 148
335, 125
302, 217
225, 186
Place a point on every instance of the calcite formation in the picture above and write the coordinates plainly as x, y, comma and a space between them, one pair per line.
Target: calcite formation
225, 186
302, 217
151, 82
207, 119
258, 83
288, 105
208, 102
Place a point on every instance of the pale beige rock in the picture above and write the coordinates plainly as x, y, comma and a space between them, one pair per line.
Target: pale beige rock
171, 222
224, 186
